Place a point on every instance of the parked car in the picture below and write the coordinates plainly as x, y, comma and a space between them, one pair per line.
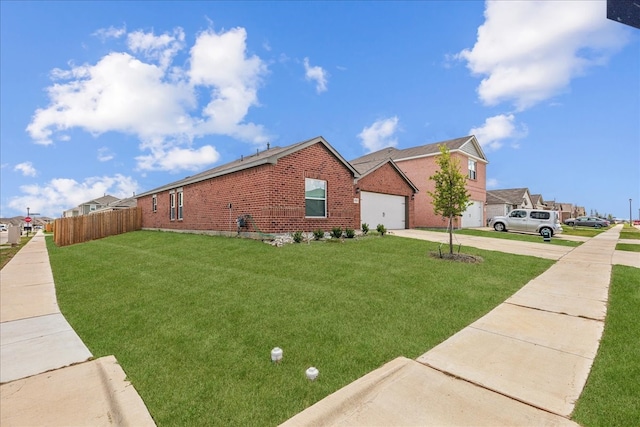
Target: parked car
3, 227
587, 221
529, 220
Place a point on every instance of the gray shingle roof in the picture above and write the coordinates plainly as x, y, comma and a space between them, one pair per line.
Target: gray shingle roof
457, 144
367, 167
512, 196
269, 156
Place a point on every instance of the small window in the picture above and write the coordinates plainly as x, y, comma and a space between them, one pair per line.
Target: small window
172, 204
154, 203
180, 205
315, 198
472, 169
540, 215
518, 214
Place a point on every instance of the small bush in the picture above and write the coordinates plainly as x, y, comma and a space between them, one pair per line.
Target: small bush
365, 228
381, 229
297, 237
318, 234
350, 233
336, 232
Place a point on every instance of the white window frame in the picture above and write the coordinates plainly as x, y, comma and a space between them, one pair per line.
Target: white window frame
154, 203
180, 204
473, 173
314, 182
172, 205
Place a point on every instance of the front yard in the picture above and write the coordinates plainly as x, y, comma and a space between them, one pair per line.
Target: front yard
192, 319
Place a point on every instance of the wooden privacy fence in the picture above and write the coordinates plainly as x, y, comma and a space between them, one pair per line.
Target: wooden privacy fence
78, 229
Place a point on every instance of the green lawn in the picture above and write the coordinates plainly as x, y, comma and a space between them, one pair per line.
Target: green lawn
192, 319
612, 394
524, 237
631, 247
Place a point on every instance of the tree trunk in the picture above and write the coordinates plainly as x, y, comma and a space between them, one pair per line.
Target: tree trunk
451, 235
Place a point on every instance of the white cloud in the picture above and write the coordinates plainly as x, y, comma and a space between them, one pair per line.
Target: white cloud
317, 74
141, 94
174, 159
57, 195
496, 129
105, 154
492, 183
380, 134
110, 33
26, 168
529, 51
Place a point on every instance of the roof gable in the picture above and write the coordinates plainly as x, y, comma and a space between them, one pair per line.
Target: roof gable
367, 167
269, 156
467, 144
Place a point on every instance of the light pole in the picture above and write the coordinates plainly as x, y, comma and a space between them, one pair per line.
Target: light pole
630, 216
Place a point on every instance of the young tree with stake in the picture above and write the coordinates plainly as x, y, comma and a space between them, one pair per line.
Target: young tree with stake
450, 196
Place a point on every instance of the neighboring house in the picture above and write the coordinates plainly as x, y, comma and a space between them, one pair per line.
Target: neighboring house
418, 164
129, 202
538, 202
301, 187
569, 210
90, 206
501, 202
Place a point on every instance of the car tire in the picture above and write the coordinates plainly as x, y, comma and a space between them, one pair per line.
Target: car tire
546, 228
498, 226
570, 224
598, 226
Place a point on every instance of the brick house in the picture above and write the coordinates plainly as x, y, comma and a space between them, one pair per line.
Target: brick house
419, 163
304, 186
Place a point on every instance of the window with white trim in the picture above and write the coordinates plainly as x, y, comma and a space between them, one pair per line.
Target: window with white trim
180, 205
472, 169
315, 198
154, 203
172, 204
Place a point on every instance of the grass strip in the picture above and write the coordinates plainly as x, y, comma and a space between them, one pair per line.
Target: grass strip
192, 319
630, 247
611, 396
523, 237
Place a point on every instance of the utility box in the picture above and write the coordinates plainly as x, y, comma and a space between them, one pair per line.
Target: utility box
13, 235
546, 235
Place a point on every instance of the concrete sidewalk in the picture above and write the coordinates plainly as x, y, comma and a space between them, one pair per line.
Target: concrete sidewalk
47, 373
524, 363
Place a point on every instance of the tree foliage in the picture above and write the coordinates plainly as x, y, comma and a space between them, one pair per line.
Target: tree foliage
450, 196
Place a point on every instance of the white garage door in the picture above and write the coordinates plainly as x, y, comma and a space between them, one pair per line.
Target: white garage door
385, 209
472, 217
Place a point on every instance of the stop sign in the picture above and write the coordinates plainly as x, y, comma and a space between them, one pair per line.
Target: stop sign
27, 219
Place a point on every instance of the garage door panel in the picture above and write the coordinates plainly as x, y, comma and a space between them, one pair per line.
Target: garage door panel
472, 217
386, 209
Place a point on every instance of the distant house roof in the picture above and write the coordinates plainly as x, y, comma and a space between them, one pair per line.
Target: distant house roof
367, 167
536, 199
104, 200
268, 156
511, 196
467, 144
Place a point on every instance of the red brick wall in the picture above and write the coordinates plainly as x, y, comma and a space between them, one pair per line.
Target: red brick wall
272, 194
387, 180
419, 170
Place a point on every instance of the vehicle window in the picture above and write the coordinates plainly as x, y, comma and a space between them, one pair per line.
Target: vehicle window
540, 215
518, 214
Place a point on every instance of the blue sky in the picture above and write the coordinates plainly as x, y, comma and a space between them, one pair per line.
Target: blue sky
122, 97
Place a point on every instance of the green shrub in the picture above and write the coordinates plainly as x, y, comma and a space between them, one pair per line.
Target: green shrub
350, 233
297, 237
318, 234
336, 232
365, 228
381, 229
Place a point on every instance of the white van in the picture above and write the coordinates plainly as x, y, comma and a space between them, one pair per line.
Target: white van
528, 220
